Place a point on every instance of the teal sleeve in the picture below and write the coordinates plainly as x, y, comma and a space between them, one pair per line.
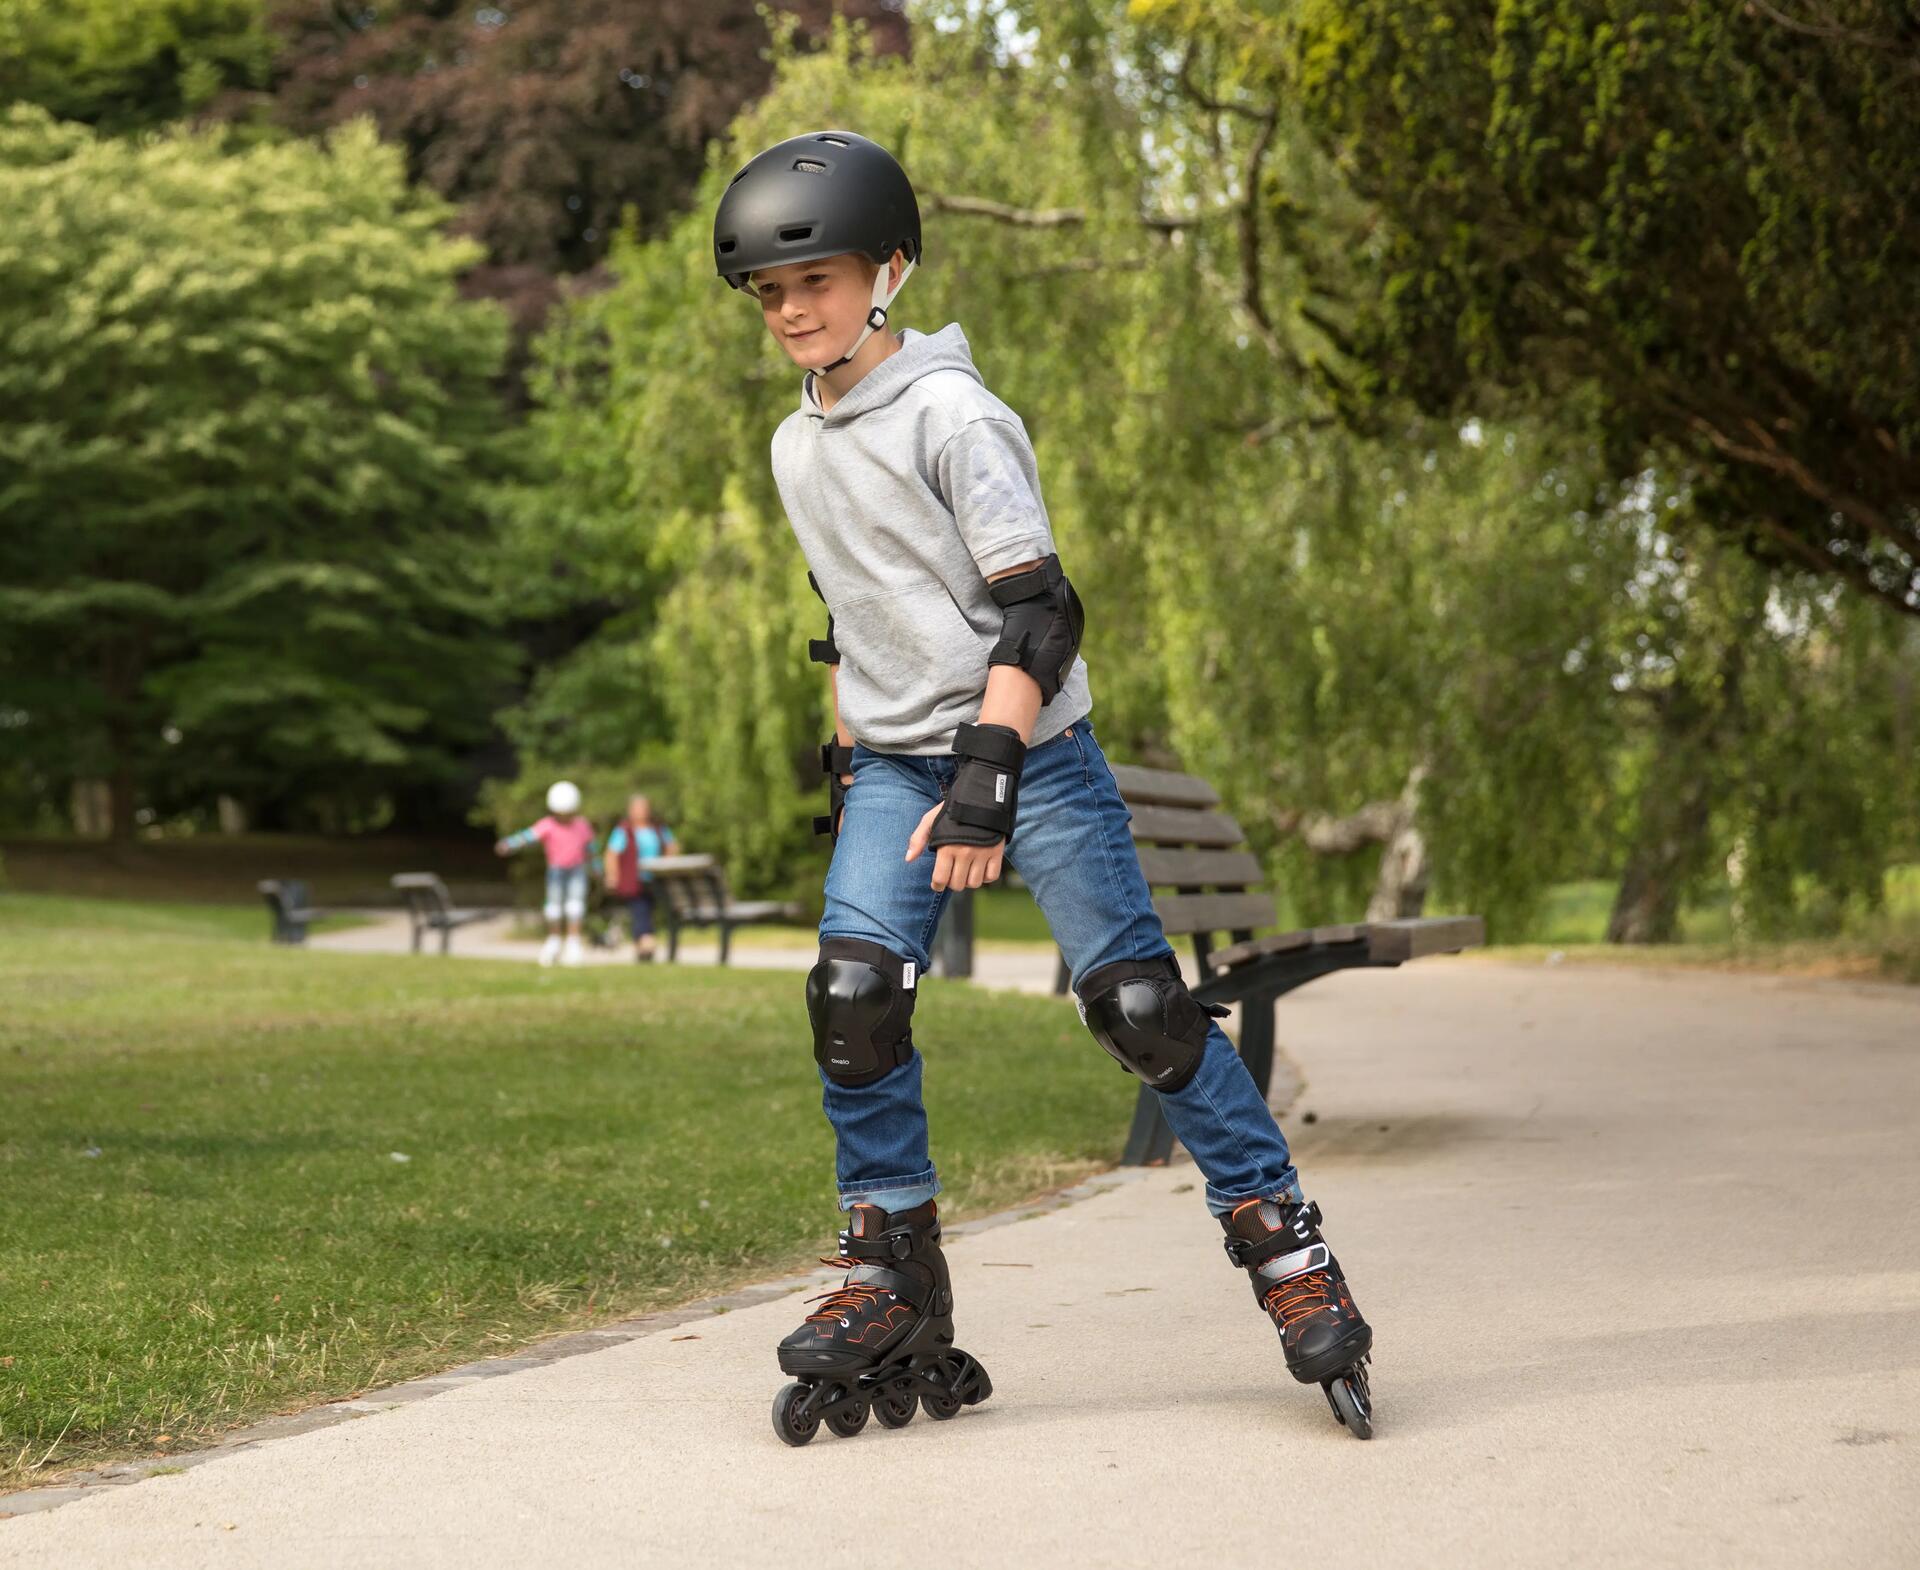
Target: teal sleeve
617, 840
517, 841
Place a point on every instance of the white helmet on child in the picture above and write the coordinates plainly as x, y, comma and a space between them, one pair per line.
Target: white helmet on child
563, 797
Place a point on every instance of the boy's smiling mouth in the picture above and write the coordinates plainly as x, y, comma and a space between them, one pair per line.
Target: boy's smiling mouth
807, 334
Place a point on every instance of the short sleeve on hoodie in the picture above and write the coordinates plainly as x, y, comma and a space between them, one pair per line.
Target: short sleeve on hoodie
989, 479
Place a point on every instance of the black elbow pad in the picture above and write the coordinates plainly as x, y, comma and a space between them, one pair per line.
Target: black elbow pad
1041, 630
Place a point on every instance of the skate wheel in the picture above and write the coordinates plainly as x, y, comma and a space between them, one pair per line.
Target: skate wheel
846, 1421
942, 1406
791, 1421
1349, 1399
895, 1411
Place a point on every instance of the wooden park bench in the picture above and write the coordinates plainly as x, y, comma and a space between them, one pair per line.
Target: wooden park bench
691, 891
1195, 852
430, 908
288, 906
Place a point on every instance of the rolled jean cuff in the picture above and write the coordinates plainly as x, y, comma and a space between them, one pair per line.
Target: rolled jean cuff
892, 1194
1222, 1204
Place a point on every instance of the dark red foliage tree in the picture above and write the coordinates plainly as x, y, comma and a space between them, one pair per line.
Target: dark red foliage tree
543, 119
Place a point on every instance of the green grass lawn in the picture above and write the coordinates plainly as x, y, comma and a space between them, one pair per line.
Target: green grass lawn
238, 1179
1881, 947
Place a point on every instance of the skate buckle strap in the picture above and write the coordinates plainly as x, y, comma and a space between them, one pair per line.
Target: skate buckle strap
1249, 1252
894, 1244
909, 1289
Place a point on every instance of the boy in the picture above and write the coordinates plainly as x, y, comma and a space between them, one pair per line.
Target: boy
960, 706
568, 840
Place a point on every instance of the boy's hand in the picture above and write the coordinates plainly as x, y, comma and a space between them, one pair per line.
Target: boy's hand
502, 848
957, 866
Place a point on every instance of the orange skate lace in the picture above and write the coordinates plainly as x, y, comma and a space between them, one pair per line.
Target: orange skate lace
1300, 1297
846, 1299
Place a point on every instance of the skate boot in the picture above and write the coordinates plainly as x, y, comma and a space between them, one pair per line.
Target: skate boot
550, 950
1298, 1282
571, 953
883, 1341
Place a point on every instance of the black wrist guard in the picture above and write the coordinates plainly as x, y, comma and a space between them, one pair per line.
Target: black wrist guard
835, 760
985, 791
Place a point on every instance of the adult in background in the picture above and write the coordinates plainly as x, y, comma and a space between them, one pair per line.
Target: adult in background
636, 837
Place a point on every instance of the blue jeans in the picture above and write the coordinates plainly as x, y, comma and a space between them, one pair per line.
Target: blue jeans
1072, 847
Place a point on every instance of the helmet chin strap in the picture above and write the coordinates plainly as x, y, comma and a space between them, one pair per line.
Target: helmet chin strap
876, 317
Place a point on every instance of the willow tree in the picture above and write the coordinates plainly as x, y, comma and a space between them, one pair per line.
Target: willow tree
1306, 614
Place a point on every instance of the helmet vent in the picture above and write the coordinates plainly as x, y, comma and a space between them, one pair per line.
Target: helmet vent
727, 245
793, 236
832, 141
809, 166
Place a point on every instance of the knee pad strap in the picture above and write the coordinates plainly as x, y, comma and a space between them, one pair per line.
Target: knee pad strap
860, 998
1142, 1013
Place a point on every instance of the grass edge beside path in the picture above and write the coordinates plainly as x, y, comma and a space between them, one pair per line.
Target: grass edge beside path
252, 1181
1894, 960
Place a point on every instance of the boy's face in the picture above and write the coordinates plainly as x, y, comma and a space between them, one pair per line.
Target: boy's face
815, 309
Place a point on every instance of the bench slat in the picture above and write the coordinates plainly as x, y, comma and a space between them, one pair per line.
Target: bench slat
1396, 942
1188, 913
1162, 787
1212, 869
1386, 942
1178, 826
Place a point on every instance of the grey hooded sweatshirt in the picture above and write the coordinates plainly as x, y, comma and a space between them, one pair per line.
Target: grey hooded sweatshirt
904, 497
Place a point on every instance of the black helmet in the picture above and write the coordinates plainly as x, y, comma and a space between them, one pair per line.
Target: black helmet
812, 196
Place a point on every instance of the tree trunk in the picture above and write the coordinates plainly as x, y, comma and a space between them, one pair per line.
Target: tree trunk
123, 661
1401, 889
123, 800
1666, 851
91, 807
1676, 808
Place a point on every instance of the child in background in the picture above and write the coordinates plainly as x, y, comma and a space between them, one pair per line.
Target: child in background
633, 839
568, 840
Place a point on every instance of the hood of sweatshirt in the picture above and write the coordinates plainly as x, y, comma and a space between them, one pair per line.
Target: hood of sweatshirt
920, 354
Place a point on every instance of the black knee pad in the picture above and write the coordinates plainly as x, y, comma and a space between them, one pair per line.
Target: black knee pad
1141, 1012
860, 999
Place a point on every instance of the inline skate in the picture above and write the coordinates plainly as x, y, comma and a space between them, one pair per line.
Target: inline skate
1298, 1282
882, 1342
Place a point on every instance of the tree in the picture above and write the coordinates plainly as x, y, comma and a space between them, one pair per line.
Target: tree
544, 120
1706, 212
130, 65
1272, 597
244, 420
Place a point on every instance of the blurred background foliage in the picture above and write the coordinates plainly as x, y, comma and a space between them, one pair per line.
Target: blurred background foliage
1484, 434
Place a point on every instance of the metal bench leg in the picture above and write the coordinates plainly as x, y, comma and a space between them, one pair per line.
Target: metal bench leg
726, 941
446, 938
1150, 1140
1256, 1039
417, 930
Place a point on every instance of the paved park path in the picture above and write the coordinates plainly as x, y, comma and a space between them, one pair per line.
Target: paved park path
1642, 1250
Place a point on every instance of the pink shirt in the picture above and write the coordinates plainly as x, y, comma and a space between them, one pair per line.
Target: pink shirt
566, 843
